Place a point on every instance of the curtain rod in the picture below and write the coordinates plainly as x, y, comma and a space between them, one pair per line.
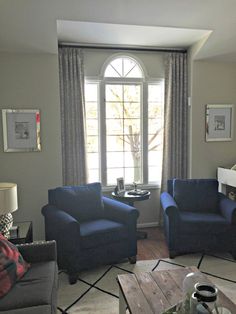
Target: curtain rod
74, 45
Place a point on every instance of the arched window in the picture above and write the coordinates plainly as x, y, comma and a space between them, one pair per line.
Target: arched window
124, 115
124, 67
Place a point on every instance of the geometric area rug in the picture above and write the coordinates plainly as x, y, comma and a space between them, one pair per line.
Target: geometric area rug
97, 290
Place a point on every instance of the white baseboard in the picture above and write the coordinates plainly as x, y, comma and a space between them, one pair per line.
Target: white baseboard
148, 225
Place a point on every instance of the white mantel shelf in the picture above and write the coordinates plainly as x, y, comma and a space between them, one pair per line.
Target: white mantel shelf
226, 177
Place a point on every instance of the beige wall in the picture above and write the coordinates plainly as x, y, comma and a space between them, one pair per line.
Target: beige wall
212, 83
31, 82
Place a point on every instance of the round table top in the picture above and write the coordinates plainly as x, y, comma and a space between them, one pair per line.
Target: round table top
126, 197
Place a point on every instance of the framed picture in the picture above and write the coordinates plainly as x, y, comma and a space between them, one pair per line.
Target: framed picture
21, 130
120, 185
219, 122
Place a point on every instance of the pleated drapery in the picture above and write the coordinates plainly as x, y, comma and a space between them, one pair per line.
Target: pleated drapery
175, 145
73, 133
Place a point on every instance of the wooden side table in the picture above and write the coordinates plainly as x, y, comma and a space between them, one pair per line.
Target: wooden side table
25, 233
130, 199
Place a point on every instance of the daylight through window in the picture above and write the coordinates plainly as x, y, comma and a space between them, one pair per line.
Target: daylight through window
124, 117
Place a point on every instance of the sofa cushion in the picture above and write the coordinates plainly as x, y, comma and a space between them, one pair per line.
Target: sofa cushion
196, 195
37, 288
83, 202
202, 223
101, 232
12, 265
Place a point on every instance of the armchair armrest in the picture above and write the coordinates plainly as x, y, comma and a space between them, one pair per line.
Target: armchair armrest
227, 208
169, 205
38, 251
119, 211
58, 221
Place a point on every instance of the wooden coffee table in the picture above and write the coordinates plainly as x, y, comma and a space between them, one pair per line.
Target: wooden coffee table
154, 292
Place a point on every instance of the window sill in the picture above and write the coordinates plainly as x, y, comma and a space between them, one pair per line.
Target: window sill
130, 187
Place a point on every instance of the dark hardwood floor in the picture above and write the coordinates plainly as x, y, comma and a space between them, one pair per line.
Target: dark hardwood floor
154, 246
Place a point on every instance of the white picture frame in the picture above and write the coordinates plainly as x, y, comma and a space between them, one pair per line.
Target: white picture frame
21, 130
219, 122
120, 185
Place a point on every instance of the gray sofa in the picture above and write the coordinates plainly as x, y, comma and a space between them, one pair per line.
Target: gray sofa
36, 292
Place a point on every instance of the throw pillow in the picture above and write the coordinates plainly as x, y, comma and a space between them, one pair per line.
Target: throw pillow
83, 202
12, 265
196, 195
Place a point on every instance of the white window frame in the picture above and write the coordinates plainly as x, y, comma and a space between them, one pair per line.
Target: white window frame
144, 82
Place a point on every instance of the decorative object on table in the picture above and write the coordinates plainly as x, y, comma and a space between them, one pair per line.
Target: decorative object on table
189, 288
204, 299
219, 122
120, 185
13, 232
21, 130
8, 204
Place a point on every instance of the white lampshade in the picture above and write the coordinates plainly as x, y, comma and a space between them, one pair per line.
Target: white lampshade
8, 198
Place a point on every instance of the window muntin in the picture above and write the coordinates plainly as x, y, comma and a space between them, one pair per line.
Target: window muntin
132, 144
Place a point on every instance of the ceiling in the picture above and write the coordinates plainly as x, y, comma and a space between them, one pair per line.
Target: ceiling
87, 33
33, 26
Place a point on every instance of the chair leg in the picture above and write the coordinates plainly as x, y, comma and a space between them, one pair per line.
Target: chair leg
233, 253
132, 259
73, 278
172, 254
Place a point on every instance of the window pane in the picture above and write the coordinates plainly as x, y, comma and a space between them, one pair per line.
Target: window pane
115, 160
155, 110
132, 126
91, 92
114, 173
114, 92
132, 93
123, 67
135, 72
93, 176
118, 66
114, 126
92, 126
132, 175
155, 93
114, 110
155, 131
91, 110
111, 72
154, 174
92, 144
115, 143
93, 160
131, 110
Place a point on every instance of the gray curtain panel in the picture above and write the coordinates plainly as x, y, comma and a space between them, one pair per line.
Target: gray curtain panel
73, 134
175, 148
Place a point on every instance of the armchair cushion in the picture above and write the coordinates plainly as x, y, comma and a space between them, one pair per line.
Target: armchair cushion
202, 223
100, 232
196, 195
82, 202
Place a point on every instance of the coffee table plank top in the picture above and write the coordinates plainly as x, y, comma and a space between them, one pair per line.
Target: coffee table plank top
130, 289
154, 292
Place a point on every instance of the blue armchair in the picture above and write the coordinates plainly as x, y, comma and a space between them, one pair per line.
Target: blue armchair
89, 229
197, 218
